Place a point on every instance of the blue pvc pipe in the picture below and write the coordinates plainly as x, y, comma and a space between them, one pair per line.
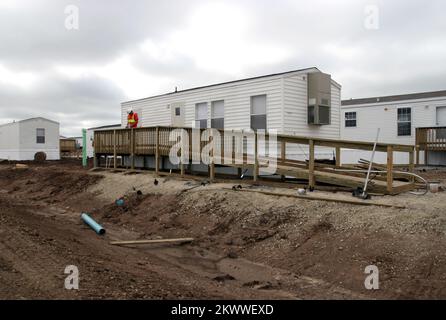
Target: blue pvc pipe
93, 224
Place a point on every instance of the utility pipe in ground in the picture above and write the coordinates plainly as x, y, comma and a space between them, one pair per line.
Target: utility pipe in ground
92, 224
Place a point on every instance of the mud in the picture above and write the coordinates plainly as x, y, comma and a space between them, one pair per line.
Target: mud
246, 245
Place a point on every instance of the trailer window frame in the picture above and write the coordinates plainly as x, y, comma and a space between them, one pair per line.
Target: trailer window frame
40, 135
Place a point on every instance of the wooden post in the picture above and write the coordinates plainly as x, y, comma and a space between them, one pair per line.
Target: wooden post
282, 155
114, 150
338, 156
256, 159
211, 171
417, 148
282, 150
182, 169
95, 161
390, 169
311, 180
212, 164
182, 153
191, 152
412, 164
132, 139
157, 151
426, 159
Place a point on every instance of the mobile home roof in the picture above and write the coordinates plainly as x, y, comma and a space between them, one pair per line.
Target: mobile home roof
401, 97
229, 82
30, 119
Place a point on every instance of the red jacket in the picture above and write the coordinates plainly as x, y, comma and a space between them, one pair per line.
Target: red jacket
132, 120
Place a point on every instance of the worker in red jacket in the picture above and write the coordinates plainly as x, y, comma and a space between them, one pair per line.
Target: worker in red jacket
132, 119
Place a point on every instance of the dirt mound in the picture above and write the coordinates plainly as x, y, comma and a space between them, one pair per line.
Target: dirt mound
141, 211
45, 184
247, 244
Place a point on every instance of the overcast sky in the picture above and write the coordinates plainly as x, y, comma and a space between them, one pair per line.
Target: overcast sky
126, 50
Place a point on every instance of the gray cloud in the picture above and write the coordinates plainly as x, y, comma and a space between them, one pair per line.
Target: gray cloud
172, 43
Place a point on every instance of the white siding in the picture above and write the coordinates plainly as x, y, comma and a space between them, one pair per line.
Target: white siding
156, 111
9, 142
286, 106
295, 110
18, 140
370, 117
296, 119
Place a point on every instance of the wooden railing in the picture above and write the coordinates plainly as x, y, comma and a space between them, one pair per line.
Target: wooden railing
431, 138
67, 145
156, 141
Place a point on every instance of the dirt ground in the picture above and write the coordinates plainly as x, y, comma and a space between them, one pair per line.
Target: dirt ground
247, 245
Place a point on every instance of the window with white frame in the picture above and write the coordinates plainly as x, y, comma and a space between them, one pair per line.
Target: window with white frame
258, 112
350, 119
218, 114
40, 135
201, 115
404, 121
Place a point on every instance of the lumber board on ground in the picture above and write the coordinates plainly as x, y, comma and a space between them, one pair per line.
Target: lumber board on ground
344, 180
139, 242
318, 198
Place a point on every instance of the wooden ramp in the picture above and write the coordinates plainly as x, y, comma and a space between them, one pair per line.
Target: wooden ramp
344, 180
227, 145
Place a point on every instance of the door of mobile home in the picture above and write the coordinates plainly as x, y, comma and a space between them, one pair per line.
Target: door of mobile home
441, 116
177, 114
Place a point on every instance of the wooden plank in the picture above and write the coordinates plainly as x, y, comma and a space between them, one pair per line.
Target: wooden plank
311, 179
132, 148
417, 155
282, 155
412, 164
212, 164
256, 159
140, 242
114, 150
319, 198
338, 156
157, 151
397, 189
283, 150
338, 179
182, 169
389, 169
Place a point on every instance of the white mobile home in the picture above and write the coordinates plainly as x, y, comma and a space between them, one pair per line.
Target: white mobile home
398, 118
302, 102
21, 140
90, 137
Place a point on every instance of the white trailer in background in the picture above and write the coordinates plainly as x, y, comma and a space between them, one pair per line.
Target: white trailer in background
90, 137
21, 140
398, 117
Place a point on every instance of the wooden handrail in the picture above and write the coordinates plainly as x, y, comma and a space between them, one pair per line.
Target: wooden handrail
431, 138
346, 144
